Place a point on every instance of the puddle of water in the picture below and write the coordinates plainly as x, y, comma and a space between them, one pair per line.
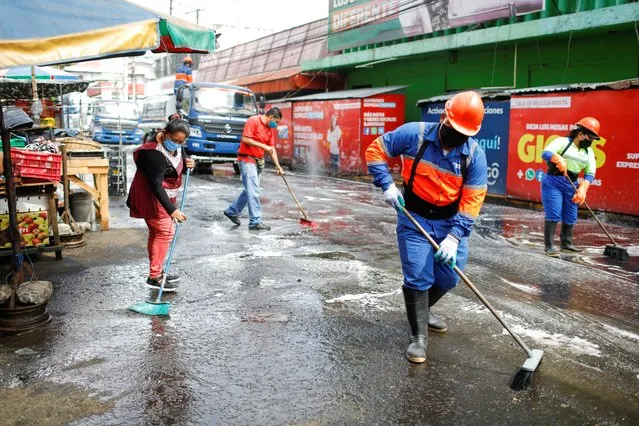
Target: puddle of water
49, 404
557, 340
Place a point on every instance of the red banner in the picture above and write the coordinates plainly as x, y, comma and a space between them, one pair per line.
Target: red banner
538, 119
326, 136
284, 137
380, 114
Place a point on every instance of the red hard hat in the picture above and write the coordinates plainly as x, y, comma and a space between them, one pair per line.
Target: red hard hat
465, 111
590, 123
188, 59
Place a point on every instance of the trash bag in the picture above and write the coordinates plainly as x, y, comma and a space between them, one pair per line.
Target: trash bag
15, 118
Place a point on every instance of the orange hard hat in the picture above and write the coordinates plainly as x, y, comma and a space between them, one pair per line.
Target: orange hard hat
188, 59
590, 123
465, 111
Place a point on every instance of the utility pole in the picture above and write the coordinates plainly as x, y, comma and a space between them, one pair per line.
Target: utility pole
170, 7
197, 16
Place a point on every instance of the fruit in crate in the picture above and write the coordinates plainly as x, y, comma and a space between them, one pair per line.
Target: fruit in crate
42, 236
27, 219
46, 241
44, 228
7, 245
28, 237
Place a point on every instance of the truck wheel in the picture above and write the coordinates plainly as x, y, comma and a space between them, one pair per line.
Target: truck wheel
236, 168
201, 168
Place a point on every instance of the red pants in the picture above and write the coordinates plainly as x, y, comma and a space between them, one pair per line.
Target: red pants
160, 235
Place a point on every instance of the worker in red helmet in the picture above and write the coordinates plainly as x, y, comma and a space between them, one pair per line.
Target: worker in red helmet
567, 157
184, 74
444, 174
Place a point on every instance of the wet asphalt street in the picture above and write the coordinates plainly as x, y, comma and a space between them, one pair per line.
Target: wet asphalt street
307, 326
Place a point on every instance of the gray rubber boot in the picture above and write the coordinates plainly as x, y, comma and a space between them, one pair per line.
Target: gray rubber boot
435, 323
549, 236
566, 239
417, 312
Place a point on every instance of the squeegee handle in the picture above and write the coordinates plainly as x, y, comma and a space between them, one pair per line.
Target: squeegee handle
167, 264
592, 213
295, 198
471, 286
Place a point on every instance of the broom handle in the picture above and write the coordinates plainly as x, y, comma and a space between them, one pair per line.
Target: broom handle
471, 285
592, 213
295, 198
177, 229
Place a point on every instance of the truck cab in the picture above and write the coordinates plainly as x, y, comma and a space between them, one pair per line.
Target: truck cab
216, 114
155, 111
112, 119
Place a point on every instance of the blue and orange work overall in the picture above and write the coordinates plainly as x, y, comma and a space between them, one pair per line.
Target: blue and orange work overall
183, 75
440, 198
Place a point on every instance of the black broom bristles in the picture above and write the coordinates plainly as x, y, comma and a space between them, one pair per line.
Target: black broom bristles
616, 252
522, 380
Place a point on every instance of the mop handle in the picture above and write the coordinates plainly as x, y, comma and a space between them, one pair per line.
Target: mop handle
592, 213
295, 198
471, 285
177, 229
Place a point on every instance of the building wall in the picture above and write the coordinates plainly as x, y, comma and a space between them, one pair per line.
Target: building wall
592, 58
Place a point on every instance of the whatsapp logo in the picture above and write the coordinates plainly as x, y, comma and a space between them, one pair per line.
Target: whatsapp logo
530, 174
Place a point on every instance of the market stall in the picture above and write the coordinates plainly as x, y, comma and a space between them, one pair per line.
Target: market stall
78, 32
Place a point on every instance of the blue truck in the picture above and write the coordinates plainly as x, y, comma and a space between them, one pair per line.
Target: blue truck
216, 114
112, 119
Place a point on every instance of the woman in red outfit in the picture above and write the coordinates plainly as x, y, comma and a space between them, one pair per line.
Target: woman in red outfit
154, 191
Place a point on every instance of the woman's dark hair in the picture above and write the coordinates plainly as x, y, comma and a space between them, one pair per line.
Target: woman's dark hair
275, 113
175, 126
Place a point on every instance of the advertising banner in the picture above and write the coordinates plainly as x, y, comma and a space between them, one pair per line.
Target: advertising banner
380, 114
493, 138
536, 120
358, 22
284, 136
326, 136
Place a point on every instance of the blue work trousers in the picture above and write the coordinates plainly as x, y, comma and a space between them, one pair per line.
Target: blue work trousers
421, 271
556, 196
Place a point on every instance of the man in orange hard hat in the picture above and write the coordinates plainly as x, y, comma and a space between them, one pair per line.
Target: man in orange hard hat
184, 74
444, 174
566, 158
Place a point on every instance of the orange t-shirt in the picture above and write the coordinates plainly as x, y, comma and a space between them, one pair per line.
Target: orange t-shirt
259, 132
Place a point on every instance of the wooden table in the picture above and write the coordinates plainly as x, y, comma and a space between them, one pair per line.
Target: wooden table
99, 168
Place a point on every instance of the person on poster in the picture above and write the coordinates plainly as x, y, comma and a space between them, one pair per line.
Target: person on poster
444, 171
334, 136
566, 158
258, 137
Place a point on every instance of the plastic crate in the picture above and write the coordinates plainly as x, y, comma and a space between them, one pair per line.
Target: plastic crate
38, 165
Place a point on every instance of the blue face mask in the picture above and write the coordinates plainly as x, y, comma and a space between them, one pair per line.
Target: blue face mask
170, 145
272, 124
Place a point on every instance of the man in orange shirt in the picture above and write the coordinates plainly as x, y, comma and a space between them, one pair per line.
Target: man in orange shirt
258, 137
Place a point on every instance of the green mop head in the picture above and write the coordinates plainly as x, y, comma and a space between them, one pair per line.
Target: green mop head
151, 308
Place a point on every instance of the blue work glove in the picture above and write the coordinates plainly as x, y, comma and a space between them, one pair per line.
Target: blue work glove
393, 197
447, 252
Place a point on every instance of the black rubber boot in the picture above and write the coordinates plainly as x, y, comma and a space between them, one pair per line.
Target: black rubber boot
435, 323
549, 236
566, 239
417, 312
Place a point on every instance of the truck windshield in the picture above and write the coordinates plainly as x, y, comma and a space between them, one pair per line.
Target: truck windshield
127, 110
225, 101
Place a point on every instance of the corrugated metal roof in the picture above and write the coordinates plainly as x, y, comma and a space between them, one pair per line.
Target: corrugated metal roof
577, 87
267, 76
345, 94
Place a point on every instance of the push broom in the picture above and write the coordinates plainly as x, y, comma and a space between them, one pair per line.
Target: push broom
158, 307
524, 376
304, 220
613, 251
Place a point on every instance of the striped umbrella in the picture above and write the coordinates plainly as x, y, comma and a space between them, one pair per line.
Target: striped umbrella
45, 32
41, 73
